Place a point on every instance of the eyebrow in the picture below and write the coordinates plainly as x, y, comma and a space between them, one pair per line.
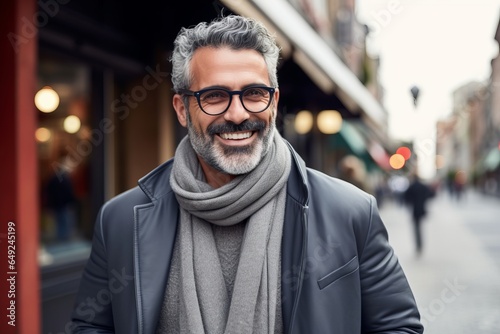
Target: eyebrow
242, 88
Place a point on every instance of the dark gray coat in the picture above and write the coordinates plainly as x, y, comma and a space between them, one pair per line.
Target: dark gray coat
339, 274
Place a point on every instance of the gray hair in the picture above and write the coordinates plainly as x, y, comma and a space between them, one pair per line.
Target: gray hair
232, 31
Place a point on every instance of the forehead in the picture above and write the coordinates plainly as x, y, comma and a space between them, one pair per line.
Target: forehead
227, 67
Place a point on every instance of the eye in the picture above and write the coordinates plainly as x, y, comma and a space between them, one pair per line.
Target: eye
255, 93
214, 96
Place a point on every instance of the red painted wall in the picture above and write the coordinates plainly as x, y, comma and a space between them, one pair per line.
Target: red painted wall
19, 211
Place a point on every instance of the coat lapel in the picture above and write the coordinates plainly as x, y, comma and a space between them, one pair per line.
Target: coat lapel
154, 235
294, 236
155, 226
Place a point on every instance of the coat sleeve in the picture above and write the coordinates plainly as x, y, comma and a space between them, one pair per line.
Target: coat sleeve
388, 304
92, 312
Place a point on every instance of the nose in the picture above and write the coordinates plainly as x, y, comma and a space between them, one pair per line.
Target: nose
236, 113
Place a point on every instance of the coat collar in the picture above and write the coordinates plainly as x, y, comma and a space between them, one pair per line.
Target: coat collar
297, 181
156, 183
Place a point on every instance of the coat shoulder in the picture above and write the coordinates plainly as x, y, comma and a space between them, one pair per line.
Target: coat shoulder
150, 188
340, 208
125, 200
337, 192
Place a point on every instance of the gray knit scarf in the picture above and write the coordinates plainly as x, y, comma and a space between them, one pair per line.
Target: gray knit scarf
260, 195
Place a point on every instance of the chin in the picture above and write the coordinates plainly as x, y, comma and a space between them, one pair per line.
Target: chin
242, 160
238, 161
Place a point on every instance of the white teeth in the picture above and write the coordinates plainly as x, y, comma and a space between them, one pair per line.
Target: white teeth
239, 135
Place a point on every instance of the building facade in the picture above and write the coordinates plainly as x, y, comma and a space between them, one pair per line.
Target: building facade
489, 166
468, 141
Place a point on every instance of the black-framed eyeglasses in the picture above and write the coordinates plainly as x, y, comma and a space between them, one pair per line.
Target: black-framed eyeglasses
216, 101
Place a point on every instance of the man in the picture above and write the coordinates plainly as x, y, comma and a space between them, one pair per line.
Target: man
416, 196
235, 234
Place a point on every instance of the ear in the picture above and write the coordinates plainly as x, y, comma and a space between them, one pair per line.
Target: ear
276, 99
180, 109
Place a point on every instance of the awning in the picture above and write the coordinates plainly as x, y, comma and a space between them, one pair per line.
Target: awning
312, 52
376, 145
491, 161
353, 138
355, 142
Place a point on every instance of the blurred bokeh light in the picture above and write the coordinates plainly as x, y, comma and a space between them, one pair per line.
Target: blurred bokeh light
42, 135
329, 121
46, 100
397, 161
303, 122
72, 124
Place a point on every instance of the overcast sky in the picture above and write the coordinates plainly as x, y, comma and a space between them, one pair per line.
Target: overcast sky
437, 45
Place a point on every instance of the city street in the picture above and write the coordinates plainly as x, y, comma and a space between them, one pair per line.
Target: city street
456, 280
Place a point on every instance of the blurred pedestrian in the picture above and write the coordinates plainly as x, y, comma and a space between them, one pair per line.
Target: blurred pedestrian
459, 183
235, 234
417, 195
61, 199
353, 170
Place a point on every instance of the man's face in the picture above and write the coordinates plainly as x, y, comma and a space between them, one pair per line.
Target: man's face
234, 142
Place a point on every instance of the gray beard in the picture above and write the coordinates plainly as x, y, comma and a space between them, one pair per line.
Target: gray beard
228, 159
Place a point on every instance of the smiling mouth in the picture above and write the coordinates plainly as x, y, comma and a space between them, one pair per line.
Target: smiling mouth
236, 135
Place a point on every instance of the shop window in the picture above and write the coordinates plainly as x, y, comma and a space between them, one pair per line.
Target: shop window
62, 104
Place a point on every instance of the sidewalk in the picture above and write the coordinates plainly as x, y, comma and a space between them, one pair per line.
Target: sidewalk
456, 282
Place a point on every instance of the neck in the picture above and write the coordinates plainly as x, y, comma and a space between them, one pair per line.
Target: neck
214, 177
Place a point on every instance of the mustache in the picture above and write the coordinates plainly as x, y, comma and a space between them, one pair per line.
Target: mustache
214, 129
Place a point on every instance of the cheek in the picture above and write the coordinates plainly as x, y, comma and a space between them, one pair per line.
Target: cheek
200, 123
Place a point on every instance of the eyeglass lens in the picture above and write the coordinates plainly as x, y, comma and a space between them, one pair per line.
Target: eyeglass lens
216, 101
